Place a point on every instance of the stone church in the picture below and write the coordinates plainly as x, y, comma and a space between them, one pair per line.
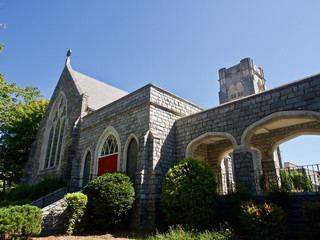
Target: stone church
91, 128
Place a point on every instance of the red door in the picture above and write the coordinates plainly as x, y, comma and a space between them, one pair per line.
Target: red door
107, 164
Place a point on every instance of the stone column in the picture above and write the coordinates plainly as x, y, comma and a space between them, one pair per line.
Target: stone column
270, 171
139, 213
149, 187
243, 168
229, 173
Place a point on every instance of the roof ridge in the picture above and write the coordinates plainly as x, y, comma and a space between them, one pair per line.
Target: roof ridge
76, 82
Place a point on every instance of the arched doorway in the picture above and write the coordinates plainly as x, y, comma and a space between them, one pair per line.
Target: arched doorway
304, 161
267, 134
213, 148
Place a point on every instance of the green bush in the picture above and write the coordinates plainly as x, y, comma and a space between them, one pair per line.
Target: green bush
21, 202
20, 222
289, 182
46, 186
286, 181
76, 204
19, 192
189, 194
311, 213
263, 183
234, 201
179, 233
110, 197
263, 221
301, 181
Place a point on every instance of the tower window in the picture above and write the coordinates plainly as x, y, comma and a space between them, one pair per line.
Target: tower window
236, 91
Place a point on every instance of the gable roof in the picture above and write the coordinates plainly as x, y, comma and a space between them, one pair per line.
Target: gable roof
99, 93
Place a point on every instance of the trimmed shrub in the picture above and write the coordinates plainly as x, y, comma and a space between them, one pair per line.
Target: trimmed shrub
263, 221
301, 181
311, 213
189, 194
110, 197
20, 222
286, 181
76, 204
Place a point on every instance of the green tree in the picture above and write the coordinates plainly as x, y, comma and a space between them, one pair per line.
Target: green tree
21, 110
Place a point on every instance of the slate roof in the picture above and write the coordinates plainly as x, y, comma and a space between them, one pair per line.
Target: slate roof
99, 93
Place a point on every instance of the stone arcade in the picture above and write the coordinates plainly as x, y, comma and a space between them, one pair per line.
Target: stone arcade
91, 128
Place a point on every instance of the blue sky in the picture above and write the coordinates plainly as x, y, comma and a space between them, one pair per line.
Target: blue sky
178, 45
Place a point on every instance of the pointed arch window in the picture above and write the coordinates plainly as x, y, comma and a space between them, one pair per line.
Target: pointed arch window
55, 141
132, 159
232, 92
239, 89
236, 91
86, 169
108, 160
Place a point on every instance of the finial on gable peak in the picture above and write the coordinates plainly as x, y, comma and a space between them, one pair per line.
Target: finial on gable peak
68, 56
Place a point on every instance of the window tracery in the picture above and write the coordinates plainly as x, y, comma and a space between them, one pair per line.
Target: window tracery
54, 147
110, 146
236, 91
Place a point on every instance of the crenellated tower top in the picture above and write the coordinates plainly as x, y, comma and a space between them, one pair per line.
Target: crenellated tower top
240, 80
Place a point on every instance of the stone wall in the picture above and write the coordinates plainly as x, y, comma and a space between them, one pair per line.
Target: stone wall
242, 122
236, 116
53, 218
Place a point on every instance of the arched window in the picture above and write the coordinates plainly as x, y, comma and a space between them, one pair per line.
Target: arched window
132, 158
232, 92
55, 141
108, 156
86, 169
236, 91
239, 89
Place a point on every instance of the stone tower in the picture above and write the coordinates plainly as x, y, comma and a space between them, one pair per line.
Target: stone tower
240, 80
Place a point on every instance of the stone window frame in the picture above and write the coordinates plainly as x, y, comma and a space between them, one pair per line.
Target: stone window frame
239, 89
125, 152
50, 129
106, 133
232, 91
83, 162
236, 90
110, 146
